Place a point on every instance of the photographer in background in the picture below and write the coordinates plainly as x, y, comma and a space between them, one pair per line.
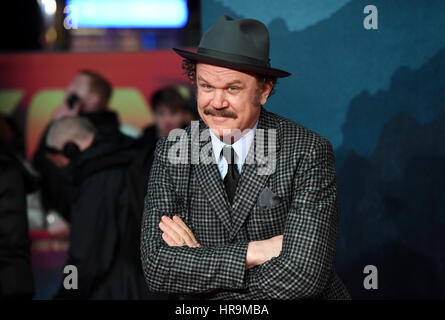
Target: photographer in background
87, 96
104, 234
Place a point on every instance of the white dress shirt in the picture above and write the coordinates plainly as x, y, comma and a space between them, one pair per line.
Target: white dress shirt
241, 148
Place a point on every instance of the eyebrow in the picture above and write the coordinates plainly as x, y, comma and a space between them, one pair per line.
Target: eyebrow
234, 82
227, 84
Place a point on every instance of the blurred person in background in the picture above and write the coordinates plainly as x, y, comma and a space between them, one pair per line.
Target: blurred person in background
16, 279
170, 110
104, 235
87, 96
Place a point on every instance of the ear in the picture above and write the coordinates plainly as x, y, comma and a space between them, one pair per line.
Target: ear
94, 99
86, 142
265, 94
58, 159
93, 102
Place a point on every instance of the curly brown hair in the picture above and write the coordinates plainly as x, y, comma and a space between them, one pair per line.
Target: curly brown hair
189, 67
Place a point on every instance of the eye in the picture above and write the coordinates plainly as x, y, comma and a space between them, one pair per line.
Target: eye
233, 89
206, 86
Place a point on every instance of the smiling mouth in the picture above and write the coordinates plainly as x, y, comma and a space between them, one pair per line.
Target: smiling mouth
220, 117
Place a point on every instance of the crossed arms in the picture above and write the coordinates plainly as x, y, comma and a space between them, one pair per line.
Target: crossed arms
176, 234
295, 265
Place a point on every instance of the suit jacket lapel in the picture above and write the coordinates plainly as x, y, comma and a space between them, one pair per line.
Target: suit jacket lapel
253, 176
211, 183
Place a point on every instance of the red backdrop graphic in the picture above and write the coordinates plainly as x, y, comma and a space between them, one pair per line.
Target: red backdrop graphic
33, 83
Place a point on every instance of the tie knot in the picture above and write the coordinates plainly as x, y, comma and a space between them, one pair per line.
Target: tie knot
229, 154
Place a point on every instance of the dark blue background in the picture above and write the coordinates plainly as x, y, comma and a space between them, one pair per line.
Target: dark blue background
379, 97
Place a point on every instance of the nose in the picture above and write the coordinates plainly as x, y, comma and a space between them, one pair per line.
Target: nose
219, 99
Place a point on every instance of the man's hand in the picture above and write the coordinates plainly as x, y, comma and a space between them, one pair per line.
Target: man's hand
176, 233
259, 252
63, 110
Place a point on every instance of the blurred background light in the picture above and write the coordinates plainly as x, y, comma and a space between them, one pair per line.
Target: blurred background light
129, 13
49, 6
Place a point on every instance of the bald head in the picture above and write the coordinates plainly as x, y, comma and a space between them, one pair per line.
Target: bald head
76, 129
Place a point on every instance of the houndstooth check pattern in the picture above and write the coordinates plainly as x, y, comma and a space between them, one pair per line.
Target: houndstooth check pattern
307, 215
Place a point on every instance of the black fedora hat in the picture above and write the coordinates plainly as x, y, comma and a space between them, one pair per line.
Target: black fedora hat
241, 44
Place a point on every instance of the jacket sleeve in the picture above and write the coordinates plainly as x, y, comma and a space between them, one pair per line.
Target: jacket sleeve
15, 268
182, 269
305, 263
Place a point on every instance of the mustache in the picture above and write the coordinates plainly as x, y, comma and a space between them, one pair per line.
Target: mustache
220, 112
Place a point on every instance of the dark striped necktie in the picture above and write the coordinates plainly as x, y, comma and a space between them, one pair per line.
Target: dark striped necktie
232, 176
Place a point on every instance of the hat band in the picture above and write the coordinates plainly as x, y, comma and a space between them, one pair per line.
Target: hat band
233, 57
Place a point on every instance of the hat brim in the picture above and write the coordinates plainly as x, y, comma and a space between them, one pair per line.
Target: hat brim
231, 64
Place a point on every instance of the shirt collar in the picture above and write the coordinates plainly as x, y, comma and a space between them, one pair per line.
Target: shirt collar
241, 146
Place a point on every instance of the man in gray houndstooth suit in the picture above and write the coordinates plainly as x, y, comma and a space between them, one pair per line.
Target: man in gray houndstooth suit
258, 221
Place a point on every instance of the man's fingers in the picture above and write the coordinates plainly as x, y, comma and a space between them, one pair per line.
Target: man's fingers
177, 232
168, 240
180, 231
181, 223
76, 107
171, 233
278, 244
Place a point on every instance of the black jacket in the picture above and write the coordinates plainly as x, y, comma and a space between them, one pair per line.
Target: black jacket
55, 189
139, 169
16, 279
105, 234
